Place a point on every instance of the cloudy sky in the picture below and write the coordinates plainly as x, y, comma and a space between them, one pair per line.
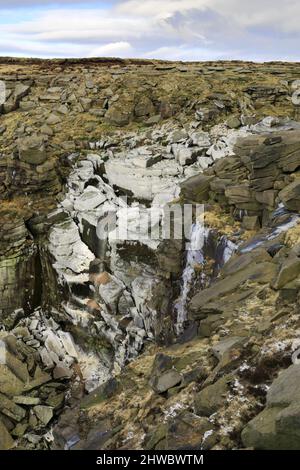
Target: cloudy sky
164, 29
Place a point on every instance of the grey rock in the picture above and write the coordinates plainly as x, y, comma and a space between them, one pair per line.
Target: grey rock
233, 122
6, 441
163, 375
26, 400
13, 373
32, 150
221, 348
167, 380
211, 398
277, 427
43, 413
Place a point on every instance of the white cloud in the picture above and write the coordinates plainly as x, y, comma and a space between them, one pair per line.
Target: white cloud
284, 15
114, 49
80, 24
169, 29
183, 52
29, 3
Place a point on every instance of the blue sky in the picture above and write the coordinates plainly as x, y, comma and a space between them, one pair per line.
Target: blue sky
163, 29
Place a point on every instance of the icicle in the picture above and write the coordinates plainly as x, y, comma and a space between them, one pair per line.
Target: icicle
194, 257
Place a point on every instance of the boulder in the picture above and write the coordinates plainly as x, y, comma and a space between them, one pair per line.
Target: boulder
119, 115
43, 413
144, 107
53, 119
238, 270
241, 196
260, 433
233, 122
13, 101
290, 196
90, 199
277, 427
11, 409
6, 441
289, 271
285, 389
211, 398
189, 432
13, 373
166, 380
102, 393
183, 155
163, 375
26, 400
251, 222
223, 347
196, 188
32, 150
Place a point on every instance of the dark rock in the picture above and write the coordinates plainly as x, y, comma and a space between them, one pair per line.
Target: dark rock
197, 188
211, 398
277, 427
188, 432
102, 393
6, 441
163, 375
289, 271
32, 150
290, 196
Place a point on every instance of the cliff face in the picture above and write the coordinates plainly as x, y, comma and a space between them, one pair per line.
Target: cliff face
201, 334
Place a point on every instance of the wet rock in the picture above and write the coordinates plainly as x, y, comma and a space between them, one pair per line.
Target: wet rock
66, 431
235, 273
251, 222
111, 292
68, 344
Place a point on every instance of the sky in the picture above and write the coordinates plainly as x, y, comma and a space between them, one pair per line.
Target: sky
259, 30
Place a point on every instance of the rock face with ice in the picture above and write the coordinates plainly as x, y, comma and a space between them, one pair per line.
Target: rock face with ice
109, 248
123, 324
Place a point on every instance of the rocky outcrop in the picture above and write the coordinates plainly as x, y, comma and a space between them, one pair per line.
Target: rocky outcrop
277, 426
119, 339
